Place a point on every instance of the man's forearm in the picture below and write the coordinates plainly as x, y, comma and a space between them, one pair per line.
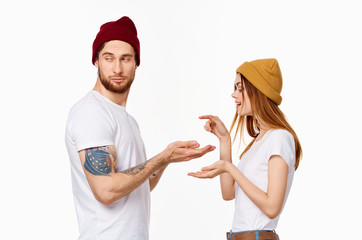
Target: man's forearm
118, 185
155, 177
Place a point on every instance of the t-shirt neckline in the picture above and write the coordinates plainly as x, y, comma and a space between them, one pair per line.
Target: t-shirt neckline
109, 101
263, 137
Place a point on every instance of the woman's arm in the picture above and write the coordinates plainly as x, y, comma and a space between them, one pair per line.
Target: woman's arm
227, 182
217, 127
270, 202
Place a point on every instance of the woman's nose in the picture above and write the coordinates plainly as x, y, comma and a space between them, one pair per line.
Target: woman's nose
233, 95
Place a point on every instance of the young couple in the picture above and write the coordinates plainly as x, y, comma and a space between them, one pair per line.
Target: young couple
112, 178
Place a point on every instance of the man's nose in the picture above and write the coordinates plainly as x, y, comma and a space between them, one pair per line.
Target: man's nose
118, 68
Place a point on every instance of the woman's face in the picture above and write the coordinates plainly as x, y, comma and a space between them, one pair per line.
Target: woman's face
241, 98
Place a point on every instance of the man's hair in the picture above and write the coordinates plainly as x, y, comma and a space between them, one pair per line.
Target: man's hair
100, 49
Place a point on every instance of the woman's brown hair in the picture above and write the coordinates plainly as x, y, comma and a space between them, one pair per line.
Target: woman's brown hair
267, 112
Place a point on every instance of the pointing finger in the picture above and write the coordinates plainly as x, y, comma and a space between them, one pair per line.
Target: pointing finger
206, 117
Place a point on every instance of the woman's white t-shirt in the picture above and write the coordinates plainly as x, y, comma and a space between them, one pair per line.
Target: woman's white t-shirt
254, 166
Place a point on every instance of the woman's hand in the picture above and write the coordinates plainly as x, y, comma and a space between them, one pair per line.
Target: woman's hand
216, 126
211, 171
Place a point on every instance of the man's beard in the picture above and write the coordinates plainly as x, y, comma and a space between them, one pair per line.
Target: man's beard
115, 87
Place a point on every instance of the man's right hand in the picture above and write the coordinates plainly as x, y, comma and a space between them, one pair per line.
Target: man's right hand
184, 151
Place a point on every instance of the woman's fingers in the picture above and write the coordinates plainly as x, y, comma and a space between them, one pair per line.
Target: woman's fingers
214, 121
203, 174
205, 117
210, 117
196, 174
206, 172
215, 126
208, 126
207, 168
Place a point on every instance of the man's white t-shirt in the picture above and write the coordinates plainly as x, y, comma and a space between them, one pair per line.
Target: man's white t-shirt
96, 121
254, 165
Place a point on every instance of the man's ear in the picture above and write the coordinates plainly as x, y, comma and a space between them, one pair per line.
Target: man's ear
96, 63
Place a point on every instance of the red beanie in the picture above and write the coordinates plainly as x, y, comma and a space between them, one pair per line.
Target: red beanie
123, 29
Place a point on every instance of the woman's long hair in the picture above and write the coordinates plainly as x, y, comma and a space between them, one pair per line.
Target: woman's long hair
267, 112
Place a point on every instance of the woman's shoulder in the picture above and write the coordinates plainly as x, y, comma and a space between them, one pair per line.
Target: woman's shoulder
281, 142
281, 134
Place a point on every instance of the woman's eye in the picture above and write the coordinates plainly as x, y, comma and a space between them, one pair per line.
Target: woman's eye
238, 86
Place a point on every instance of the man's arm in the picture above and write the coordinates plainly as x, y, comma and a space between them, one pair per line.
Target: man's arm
108, 186
155, 177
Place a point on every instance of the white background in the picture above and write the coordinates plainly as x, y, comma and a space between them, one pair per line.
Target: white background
189, 53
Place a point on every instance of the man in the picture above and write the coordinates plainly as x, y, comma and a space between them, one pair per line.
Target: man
111, 176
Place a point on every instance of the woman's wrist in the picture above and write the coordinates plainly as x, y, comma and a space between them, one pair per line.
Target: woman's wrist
225, 150
226, 166
225, 139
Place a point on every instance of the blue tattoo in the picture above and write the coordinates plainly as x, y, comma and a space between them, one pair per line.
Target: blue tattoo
97, 161
135, 170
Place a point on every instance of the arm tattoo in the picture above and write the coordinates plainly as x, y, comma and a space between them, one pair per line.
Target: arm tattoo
98, 161
135, 170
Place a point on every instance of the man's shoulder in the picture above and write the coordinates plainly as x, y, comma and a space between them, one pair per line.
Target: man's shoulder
88, 106
87, 101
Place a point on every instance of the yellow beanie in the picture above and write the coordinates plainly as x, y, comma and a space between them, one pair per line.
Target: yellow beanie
265, 75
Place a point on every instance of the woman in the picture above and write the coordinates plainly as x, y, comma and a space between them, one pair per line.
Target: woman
261, 182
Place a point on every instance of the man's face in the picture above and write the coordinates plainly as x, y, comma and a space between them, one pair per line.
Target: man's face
116, 66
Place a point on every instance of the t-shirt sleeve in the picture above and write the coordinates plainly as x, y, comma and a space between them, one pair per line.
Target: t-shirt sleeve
282, 143
91, 126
